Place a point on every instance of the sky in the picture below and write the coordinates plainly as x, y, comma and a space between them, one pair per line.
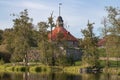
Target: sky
75, 13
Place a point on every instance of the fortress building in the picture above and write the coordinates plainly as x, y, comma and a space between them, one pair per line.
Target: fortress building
60, 33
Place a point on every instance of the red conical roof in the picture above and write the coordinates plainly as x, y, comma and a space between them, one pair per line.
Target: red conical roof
66, 34
58, 30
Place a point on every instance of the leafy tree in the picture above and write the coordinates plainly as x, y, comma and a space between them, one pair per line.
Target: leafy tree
104, 32
43, 41
114, 28
51, 25
113, 38
1, 37
90, 55
49, 49
22, 42
6, 48
8, 37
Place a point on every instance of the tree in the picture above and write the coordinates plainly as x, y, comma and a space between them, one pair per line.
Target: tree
8, 37
6, 47
104, 32
113, 38
23, 30
49, 49
114, 24
43, 41
90, 55
51, 25
1, 37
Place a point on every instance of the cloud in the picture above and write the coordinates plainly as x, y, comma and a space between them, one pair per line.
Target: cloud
26, 4
33, 5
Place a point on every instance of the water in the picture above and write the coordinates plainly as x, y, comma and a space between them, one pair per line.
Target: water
56, 76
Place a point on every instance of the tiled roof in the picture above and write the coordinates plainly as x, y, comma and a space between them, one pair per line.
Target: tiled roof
101, 42
61, 30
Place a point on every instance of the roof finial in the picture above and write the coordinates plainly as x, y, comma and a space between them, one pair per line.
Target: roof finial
60, 8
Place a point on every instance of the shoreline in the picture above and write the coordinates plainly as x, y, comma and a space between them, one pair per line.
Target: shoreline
44, 68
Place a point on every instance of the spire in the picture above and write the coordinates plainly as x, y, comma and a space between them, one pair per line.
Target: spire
60, 8
59, 21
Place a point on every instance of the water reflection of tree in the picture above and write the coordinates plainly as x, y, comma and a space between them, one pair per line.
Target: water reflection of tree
108, 76
90, 76
25, 76
53, 76
57, 76
36, 76
64, 76
5, 76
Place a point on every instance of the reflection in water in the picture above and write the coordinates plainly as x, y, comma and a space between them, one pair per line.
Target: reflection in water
56, 76
25, 76
91, 77
5, 76
53, 76
107, 76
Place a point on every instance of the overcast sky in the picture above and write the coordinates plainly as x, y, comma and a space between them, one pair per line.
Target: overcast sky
75, 13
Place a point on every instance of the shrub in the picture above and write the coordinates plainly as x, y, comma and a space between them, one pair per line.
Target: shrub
44, 69
35, 69
38, 69
23, 69
10, 68
119, 73
1, 61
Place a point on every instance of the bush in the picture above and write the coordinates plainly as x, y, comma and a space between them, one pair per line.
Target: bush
38, 69
1, 61
119, 73
44, 69
10, 68
78, 63
21, 68
2, 68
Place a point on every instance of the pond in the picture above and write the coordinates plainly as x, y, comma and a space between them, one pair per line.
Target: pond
56, 76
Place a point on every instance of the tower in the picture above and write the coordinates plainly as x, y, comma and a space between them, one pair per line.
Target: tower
59, 22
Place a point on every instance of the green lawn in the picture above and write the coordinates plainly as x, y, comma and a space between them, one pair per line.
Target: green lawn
111, 63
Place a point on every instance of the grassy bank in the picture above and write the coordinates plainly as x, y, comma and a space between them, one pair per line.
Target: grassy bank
113, 68
72, 69
39, 68
19, 68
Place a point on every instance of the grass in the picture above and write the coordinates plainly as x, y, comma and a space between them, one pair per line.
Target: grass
69, 69
101, 52
111, 63
112, 70
2, 68
78, 63
19, 68
16, 68
72, 69
39, 68
114, 67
